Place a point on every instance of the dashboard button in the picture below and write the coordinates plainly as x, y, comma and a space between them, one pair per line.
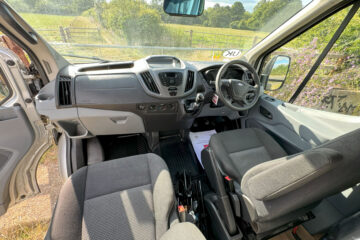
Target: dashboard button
162, 107
152, 107
171, 106
141, 106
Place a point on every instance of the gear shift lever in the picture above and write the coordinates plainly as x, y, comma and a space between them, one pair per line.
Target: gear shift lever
193, 106
199, 98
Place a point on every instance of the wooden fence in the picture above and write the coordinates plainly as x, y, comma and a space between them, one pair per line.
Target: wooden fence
71, 35
196, 39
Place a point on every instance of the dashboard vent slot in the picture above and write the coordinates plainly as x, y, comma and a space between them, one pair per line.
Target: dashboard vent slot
65, 91
149, 82
110, 66
189, 81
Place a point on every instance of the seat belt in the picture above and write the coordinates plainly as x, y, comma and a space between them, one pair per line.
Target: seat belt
234, 199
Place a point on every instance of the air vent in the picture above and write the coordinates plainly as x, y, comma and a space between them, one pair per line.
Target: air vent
112, 66
149, 82
65, 91
189, 81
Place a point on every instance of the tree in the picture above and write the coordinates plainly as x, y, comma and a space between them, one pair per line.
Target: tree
268, 15
241, 24
217, 16
237, 11
64, 7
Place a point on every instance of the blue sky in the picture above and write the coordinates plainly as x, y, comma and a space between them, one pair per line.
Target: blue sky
248, 4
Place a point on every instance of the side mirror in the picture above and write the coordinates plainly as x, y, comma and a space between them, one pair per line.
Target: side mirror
275, 72
189, 8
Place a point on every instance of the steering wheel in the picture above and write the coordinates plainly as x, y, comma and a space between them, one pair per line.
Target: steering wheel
235, 93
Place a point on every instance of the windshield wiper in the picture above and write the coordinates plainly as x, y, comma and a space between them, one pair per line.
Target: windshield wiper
86, 57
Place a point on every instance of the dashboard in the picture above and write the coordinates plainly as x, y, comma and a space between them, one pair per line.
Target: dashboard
157, 93
210, 74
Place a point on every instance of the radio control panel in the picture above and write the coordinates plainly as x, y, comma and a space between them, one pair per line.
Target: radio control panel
171, 78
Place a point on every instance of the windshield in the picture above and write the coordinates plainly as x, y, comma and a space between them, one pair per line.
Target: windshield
122, 30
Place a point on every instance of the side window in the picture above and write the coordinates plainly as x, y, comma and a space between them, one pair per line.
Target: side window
4, 89
335, 86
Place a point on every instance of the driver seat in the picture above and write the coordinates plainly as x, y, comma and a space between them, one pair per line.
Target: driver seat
273, 191
237, 151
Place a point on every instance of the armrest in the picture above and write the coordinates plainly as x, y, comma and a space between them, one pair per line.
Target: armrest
293, 173
183, 231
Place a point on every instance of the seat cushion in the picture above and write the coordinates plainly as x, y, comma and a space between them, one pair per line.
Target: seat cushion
238, 150
128, 198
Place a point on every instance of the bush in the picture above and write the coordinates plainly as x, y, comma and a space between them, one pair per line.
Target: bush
143, 29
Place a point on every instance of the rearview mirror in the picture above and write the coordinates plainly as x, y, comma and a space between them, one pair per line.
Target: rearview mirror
190, 8
276, 71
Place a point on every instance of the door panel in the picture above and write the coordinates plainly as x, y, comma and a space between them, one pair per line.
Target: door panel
17, 136
23, 136
298, 128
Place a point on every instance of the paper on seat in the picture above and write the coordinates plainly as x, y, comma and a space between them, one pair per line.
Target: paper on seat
199, 141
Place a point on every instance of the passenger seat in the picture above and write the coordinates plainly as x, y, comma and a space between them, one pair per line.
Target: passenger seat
127, 198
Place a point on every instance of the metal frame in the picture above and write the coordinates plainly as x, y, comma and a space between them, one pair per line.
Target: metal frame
23, 180
8, 86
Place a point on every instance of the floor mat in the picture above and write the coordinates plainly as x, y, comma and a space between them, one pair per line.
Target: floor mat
179, 156
123, 146
200, 140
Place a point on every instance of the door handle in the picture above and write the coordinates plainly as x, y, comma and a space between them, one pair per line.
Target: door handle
266, 113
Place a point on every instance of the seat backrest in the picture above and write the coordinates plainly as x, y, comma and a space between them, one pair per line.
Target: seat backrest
127, 198
279, 187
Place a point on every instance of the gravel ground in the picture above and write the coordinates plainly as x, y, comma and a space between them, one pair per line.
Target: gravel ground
29, 219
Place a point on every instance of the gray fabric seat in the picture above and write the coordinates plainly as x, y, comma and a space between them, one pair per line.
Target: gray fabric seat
239, 150
276, 189
128, 198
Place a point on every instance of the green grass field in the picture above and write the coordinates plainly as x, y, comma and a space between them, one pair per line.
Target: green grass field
202, 37
43, 21
216, 30
218, 37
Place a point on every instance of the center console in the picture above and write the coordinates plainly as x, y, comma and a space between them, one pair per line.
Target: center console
171, 80
166, 76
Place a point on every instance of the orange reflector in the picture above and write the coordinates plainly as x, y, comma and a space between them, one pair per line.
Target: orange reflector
181, 208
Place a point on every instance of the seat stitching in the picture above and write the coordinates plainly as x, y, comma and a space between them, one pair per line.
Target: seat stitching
152, 191
262, 143
252, 148
83, 205
118, 191
276, 143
